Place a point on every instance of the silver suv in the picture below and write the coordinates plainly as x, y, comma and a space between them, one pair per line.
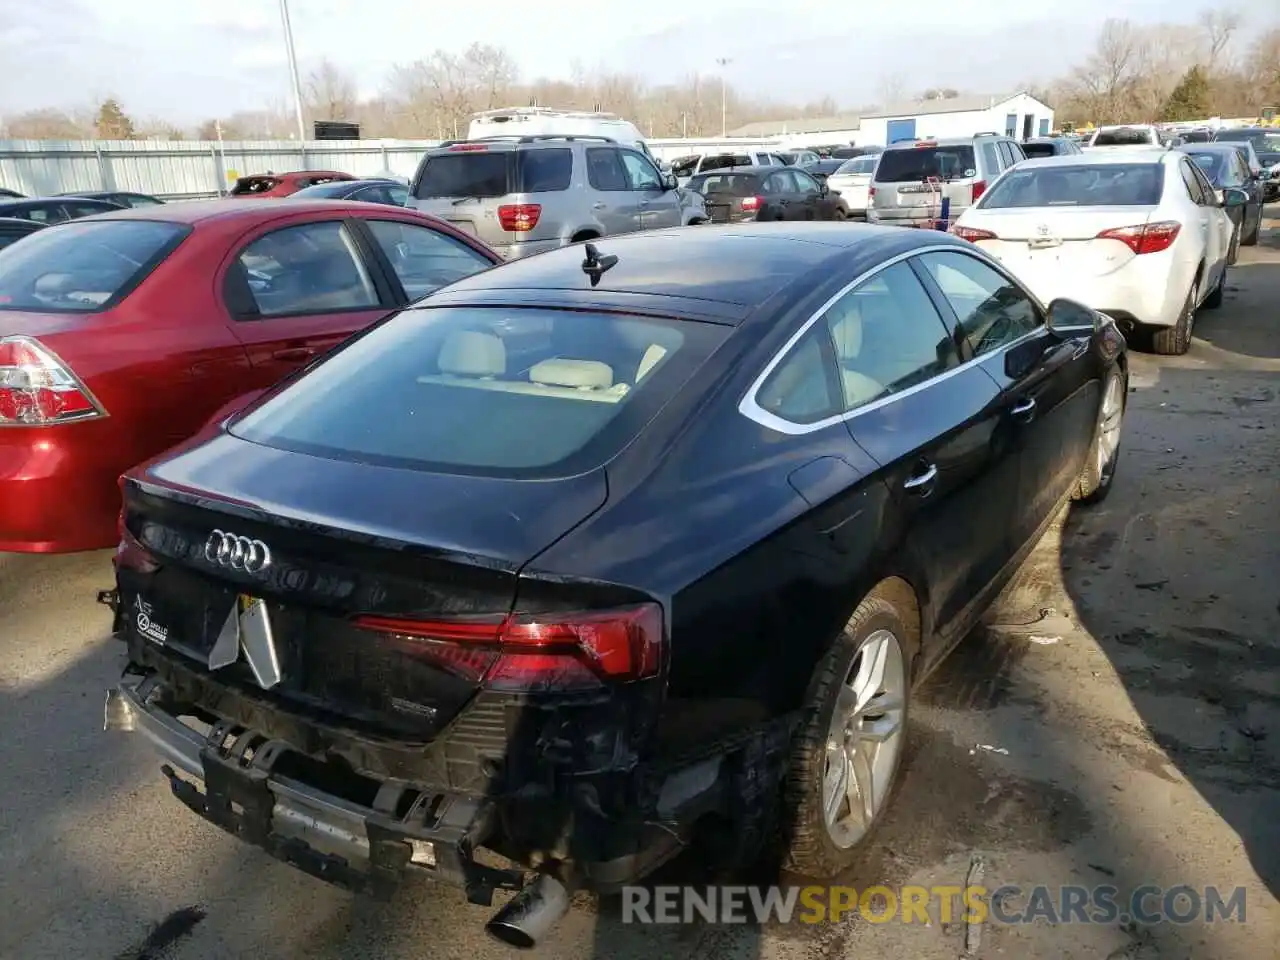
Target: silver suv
524, 195
912, 177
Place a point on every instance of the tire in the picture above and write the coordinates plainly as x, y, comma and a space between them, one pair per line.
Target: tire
1252, 239
1099, 470
840, 215
1176, 340
813, 848
1214, 300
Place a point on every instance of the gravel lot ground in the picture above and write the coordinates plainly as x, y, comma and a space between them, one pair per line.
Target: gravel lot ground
1141, 745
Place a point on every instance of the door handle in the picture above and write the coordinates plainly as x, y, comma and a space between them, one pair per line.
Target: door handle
921, 484
294, 353
1024, 411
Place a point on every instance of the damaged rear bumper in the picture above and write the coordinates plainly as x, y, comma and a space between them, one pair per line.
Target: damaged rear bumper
227, 776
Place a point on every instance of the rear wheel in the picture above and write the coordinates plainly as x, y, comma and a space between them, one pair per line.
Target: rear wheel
845, 760
1095, 479
1176, 340
840, 214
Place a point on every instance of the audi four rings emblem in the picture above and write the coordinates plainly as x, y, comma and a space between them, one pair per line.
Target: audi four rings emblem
237, 553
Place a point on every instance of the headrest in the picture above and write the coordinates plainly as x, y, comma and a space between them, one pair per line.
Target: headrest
469, 353
846, 330
583, 374
652, 357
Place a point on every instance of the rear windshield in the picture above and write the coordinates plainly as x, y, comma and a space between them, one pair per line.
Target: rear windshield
331, 188
1094, 185
1124, 137
254, 185
857, 165
481, 174
734, 184
1213, 165
917, 164
1264, 141
83, 267
725, 160
1040, 150
1196, 136
485, 390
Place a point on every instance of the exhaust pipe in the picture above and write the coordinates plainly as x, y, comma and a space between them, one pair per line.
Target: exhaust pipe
118, 713
531, 913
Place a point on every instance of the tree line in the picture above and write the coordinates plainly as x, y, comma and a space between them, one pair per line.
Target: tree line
1213, 66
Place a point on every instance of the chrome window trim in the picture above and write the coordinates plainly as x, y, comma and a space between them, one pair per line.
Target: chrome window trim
752, 410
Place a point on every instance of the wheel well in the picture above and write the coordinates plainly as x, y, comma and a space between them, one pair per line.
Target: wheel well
902, 595
584, 235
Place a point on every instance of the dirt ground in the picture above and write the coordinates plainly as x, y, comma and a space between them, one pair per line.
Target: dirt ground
1117, 723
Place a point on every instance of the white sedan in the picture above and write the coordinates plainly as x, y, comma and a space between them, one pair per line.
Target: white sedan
1140, 235
852, 180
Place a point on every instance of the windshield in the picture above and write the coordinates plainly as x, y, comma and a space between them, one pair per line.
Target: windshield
83, 267
329, 189
917, 164
1125, 137
858, 165
733, 184
486, 390
1039, 150
1093, 185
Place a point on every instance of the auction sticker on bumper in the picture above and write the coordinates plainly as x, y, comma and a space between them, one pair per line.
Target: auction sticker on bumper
146, 623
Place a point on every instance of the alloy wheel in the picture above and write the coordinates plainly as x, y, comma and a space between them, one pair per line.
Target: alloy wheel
1111, 419
865, 739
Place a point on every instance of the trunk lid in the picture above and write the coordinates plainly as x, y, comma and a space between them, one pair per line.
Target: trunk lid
1044, 242
410, 545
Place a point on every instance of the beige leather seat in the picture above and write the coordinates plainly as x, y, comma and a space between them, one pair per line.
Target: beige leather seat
578, 374
846, 333
470, 353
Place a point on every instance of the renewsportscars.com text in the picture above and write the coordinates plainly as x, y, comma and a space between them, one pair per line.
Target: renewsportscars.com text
945, 904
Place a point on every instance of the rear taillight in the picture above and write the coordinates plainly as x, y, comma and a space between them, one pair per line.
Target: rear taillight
751, 203
545, 652
979, 188
1145, 237
519, 217
38, 389
871, 192
972, 234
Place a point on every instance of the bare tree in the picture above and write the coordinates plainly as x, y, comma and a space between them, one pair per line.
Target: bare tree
47, 124
1219, 27
492, 71
330, 93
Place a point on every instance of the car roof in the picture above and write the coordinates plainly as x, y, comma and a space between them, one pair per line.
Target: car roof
738, 168
1212, 146
719, 273
1100, 156
26, 202
197, 211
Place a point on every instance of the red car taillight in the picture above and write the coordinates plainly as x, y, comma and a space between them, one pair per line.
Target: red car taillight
979, 188
519, 217
37, 389
1145, 237
972, 234
543, 652
751, 204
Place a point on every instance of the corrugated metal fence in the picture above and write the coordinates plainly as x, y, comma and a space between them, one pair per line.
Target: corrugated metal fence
183, 169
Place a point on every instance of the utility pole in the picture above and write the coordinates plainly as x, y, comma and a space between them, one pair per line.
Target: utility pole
293, 70
723, 62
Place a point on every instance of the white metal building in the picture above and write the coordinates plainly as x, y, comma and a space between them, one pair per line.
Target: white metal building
1019, 115
803, 132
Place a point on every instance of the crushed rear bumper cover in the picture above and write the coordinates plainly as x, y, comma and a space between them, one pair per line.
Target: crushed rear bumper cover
227, 776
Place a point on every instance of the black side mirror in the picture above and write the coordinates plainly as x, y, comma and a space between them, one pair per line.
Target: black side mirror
1071, 317
669, 181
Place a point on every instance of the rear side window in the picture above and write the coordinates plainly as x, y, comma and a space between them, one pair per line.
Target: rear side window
917, 164
493, 391
424, 260
465, 174
724, 161
1039, 150
546, 170
83, 267
1103, 184
253, 185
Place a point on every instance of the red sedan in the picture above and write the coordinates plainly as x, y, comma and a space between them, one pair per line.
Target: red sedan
259, 186
121, 334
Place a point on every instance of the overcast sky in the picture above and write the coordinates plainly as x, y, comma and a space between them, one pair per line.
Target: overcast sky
187, 60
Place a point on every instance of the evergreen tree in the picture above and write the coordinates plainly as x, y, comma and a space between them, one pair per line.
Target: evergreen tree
113, 123
1189, 100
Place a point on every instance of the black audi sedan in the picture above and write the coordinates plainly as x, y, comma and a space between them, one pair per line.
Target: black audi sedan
597, 554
